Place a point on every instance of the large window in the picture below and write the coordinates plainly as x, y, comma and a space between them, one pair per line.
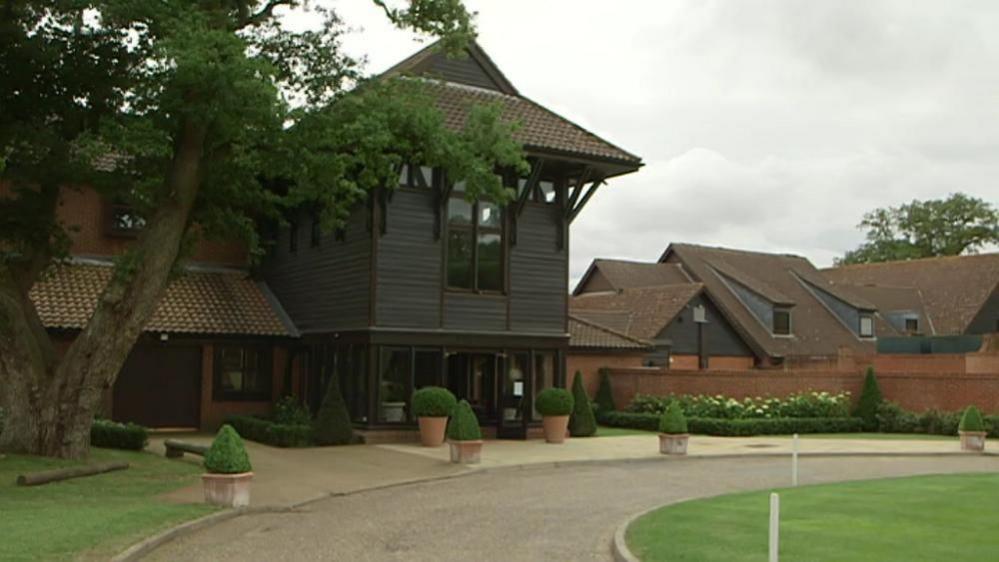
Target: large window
242, 373
427, 368
394, 384
475, 252
544, 374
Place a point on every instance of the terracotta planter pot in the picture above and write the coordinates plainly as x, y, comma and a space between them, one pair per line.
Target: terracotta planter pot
673, 443
432, 430
555, 428
466, 452
227, 490
972, 441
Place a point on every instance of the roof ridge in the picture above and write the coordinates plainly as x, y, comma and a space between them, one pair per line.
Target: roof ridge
993, 255
612, 331
739, 250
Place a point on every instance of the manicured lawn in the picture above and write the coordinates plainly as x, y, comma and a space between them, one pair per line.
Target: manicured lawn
924, 518
94, 517
605, 431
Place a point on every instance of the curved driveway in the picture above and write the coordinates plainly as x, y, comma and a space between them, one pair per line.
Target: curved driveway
533, 514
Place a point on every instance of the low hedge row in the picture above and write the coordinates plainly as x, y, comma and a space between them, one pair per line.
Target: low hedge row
113, 435
892, 418
270, 433
738, 427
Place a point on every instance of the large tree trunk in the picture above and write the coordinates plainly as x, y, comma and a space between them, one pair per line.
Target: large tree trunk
50, 402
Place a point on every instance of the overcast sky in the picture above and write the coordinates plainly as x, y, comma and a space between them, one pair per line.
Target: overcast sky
766, 125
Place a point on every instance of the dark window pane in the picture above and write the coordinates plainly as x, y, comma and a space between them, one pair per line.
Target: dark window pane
489, 215
394, 384
459, 212
782, 322
427, 368
515, 388
459, 259
911, 324
490, 262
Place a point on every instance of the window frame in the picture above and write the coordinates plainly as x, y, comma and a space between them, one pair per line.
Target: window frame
476, 229
915, 325
265, 367
860, 325
773, 322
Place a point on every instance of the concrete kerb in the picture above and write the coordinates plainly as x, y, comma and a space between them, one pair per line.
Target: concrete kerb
144, 547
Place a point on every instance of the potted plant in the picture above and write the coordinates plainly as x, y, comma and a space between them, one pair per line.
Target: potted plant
227, 482
554, 405
673, 434
393, 402
464, 436
432, 405
972, 430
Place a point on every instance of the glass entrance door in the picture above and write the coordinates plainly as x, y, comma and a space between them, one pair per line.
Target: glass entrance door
514, 397
472, 377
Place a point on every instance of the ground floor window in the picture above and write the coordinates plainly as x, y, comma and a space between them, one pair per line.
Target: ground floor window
544, 374
394, 384
242, 373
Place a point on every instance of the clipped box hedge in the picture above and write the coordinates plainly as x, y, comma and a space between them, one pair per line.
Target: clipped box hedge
738, 427
270, 433
113, 435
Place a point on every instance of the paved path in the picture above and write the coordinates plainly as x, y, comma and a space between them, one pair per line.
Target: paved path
532, 514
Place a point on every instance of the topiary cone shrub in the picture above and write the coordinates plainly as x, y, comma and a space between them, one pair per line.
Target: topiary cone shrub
464, 435
605, 395
432, 405
555, 405
870, 399
227, 482
582, 423
972, 430
332, 425
673, 435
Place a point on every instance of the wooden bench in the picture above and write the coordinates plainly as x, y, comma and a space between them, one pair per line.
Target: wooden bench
176, 449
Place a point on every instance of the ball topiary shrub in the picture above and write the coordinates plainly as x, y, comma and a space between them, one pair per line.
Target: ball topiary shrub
464, 426
971, 420
227, 455
554, 402
870, 399
582, 423
332, 425
673, 421
605, 396
433, 402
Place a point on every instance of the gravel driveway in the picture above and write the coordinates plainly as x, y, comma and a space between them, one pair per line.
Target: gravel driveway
561, 514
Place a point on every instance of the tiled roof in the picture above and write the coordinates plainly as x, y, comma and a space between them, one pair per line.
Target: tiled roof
649, 309
953, 289
624, 274
590, 335
198, 302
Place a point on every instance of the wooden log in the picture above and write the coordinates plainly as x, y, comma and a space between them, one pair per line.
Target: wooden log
47, 476
176, 449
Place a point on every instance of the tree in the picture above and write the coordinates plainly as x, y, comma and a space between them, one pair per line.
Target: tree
332, 425
605, 395
870, 399
206, 117
582, 423
922, 229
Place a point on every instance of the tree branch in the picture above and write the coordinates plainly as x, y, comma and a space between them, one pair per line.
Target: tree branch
264, 14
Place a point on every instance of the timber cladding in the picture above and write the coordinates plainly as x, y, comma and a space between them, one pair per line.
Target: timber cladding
915, 391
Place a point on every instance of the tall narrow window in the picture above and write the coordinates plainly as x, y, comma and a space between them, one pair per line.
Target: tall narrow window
475, 252
866, 326
782, 322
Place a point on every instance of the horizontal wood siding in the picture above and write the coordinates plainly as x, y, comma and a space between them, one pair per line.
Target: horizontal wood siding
324, 288
480, 313
409, 264
538, 273
720, 338
463, 70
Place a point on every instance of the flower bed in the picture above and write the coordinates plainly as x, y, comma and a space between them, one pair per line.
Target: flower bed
801, 405
738, 427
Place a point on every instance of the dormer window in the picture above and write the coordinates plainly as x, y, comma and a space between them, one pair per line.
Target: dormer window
782, 322
912, 325
867, 326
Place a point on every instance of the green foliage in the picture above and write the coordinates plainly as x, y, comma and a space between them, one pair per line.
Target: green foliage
870, 399
272, 433
433, 401
923, 229
800, 405
289, 411
673, 420
554, 402
464, 426
737, 427
582, 423
332, 425
605, 395
227, 455
113, 435
972, 420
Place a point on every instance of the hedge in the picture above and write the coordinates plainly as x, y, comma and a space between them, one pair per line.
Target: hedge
433, 401
739, 427
113, 435
270, 433
892, 418
554, 402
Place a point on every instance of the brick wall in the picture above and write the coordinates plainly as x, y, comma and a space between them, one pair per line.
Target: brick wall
589, 366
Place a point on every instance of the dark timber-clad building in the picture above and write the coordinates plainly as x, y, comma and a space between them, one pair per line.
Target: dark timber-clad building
425, 288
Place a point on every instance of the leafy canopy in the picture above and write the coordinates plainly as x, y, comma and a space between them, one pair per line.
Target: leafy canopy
922, 229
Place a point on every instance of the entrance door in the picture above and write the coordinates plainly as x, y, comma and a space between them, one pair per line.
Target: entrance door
514, 397
160, 386
472, 377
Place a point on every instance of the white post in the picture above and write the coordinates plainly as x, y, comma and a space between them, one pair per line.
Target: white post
774, 526
794, 461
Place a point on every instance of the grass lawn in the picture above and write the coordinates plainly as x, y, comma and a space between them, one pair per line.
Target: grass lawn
93, 517
925, 518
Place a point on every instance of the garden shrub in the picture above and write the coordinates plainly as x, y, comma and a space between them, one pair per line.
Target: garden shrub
290, 411
801, 405
464, 426
433, 401
113, 435
672, 420
738, 427
870, 398
271, 433
892, 418
554, 402
332, 425
582, 423
972, 420
605, 395
227, 455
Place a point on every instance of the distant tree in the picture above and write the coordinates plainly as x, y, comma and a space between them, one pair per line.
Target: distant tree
922, 229
582, 422
870, 399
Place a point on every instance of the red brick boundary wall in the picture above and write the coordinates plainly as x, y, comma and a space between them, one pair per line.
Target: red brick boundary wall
943, 382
